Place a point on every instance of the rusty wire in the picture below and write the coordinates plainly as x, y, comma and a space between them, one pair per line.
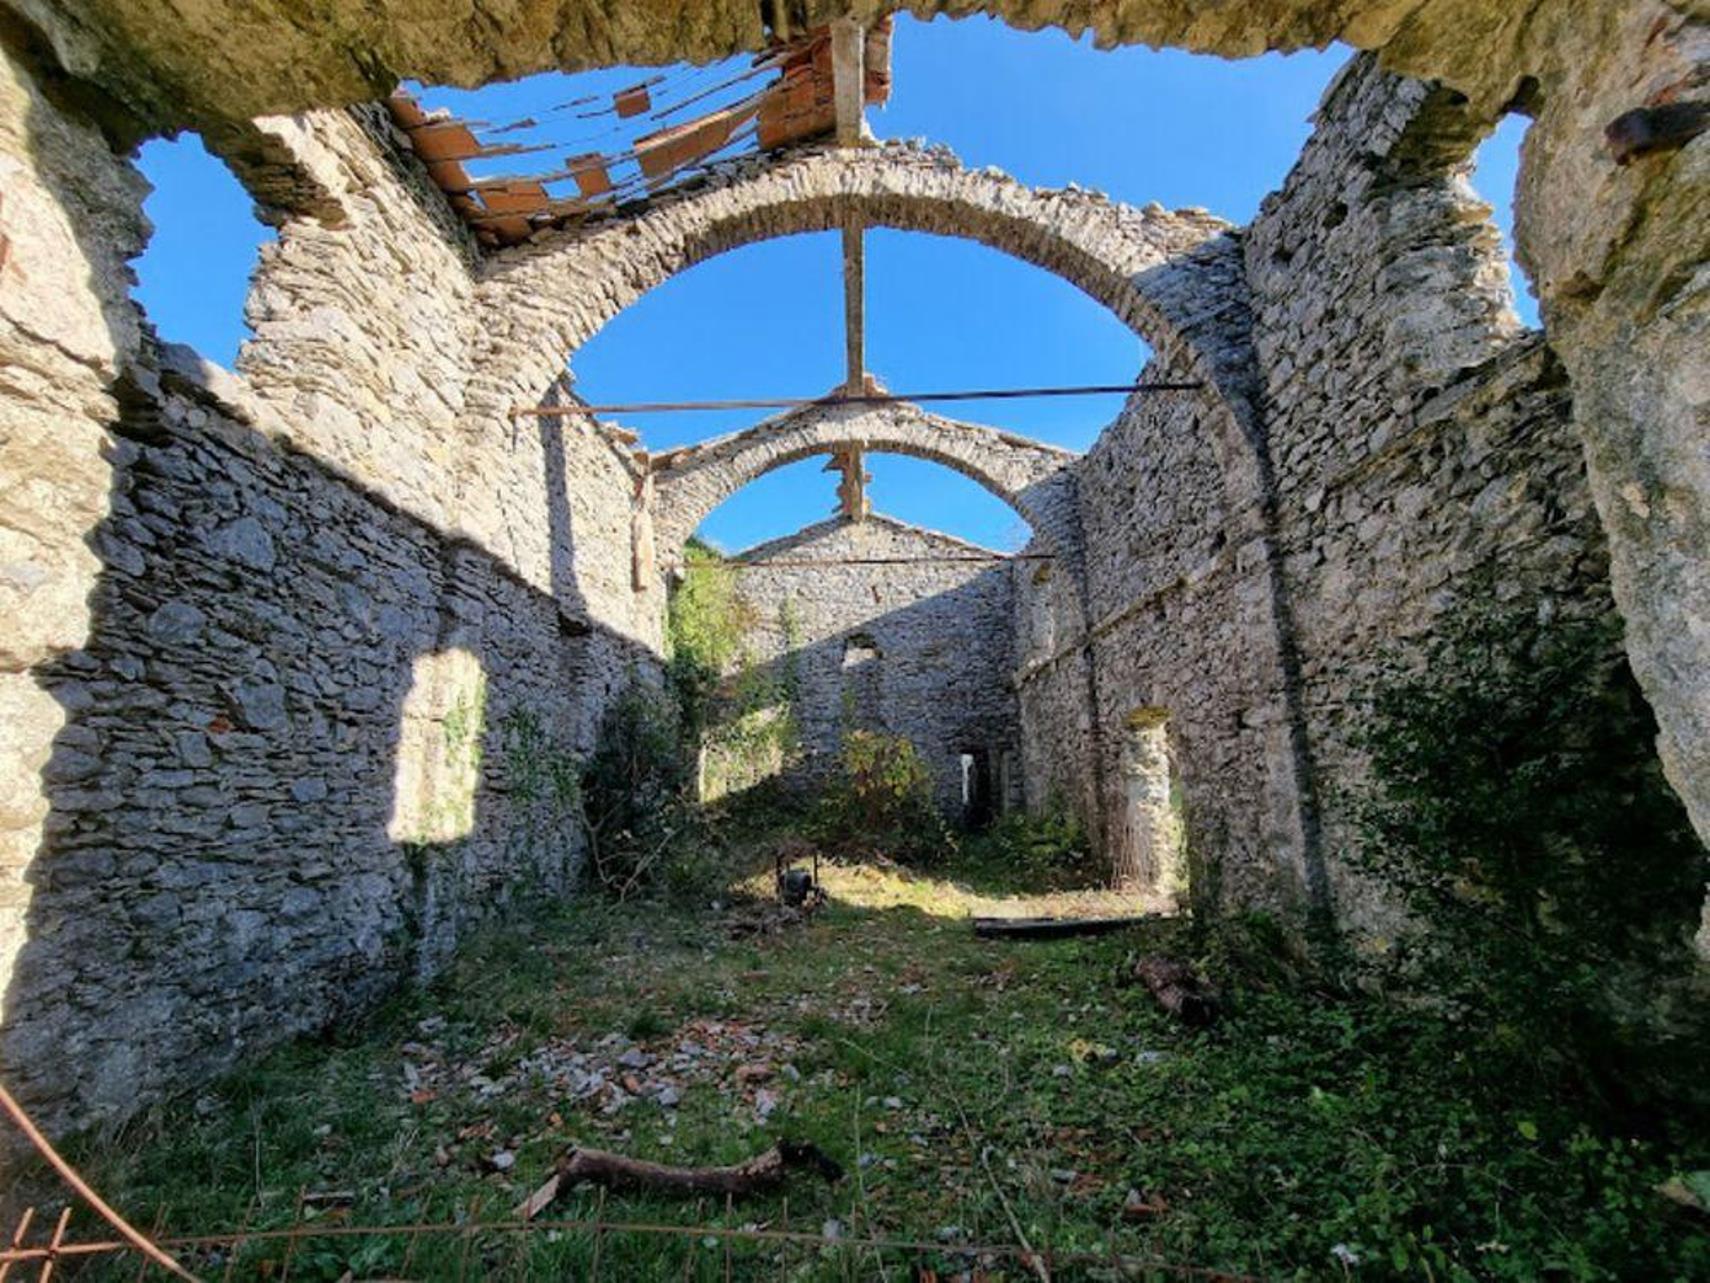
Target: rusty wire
469, 1229
155, 1251
860, 398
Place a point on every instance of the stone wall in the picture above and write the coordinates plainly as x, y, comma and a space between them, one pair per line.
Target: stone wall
1410, 440
1482, 490
70, 217
179, 63
1051, 677
919, 647
367, 337
287, 777
1183, 635
1376, 275
360, 307
1612, 234
270, 650
1420, 439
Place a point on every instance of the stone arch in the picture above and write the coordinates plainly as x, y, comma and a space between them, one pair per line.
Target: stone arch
1175, 278
1030, 476
1178, 280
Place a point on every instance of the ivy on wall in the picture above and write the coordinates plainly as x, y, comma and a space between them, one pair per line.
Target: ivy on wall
1552, 883
739, 711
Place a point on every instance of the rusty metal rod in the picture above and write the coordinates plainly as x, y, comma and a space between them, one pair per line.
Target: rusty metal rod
68, 1174
865, 398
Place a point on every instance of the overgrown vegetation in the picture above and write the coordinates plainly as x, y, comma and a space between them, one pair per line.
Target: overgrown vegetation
971, 1089
880, 802
637, 799
739, 715
1507, 1121
1553, 881
541, 774
1046, 850
706, 624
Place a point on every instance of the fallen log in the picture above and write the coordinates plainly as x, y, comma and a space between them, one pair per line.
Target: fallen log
1178, 989
760, 1174
1050, 928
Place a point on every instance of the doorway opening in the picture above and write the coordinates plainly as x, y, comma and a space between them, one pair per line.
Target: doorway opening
979, 794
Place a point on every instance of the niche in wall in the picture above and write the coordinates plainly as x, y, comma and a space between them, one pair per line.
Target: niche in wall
440, 749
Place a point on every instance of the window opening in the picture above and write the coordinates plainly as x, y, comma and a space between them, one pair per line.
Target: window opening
193, 277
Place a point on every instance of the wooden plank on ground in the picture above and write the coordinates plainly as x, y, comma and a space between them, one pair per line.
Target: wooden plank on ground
1053, 928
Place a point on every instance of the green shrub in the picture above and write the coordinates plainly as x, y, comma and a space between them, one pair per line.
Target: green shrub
1518, 809
1043, 850
881, 802
637, 807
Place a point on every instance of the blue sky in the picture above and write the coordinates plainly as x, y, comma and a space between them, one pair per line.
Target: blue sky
766, 320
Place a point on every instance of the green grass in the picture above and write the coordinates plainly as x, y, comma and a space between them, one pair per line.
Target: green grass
971, 1089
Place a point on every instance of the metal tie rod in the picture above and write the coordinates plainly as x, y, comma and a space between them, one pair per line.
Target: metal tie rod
865, 398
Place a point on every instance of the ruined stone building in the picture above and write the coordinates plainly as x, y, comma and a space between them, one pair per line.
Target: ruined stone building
264, 633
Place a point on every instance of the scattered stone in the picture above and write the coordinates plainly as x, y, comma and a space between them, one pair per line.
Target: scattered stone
1137, 1206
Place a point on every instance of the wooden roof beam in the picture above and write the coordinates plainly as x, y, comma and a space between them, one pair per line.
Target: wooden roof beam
855, 304
849, 78
849, 82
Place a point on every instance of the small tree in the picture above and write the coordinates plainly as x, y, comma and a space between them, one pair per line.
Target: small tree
706, 621
635, 791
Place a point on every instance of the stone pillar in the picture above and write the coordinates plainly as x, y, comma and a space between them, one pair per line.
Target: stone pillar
70, 217
644, 569
1617, 254
1149, 853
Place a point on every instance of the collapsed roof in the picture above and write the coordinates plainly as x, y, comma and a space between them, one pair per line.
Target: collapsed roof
794, 103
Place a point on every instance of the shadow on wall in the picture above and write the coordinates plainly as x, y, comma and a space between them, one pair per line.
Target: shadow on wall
294, 765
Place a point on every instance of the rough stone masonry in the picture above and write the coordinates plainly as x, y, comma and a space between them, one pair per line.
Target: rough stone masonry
275, 645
